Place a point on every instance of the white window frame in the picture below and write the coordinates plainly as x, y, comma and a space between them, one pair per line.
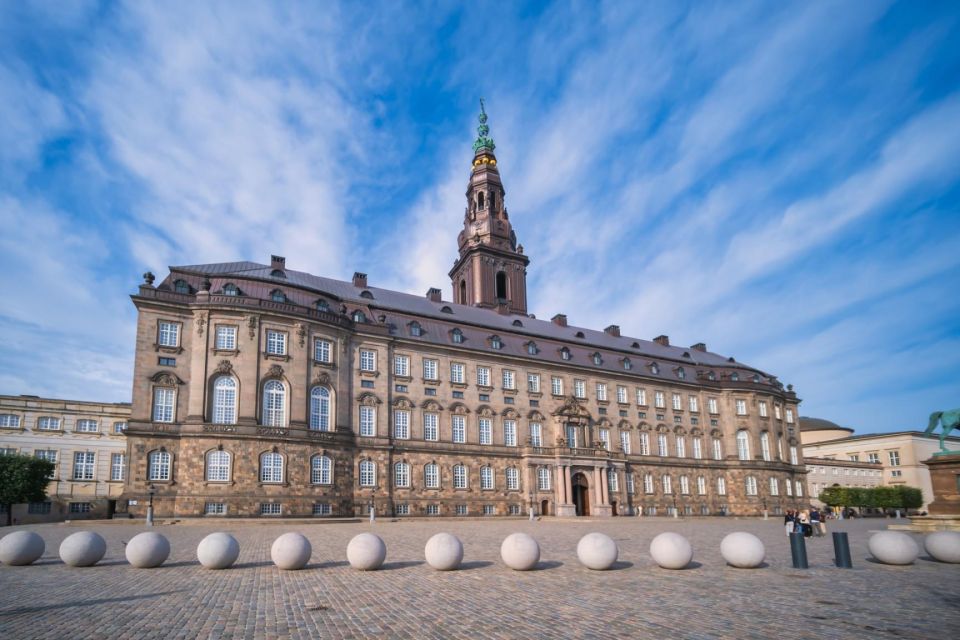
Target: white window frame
225, 338
164, 403
697, 448
368, 473
485, 430
321, 409
322, 351
458, 428
168, 334
87, 425
486, 478
721, 486
321, 470
580, 389
642, 397
625, 442
765, 446
621, 394
224, 400
401, 366
483, 376
217, 466
276, 343
536, 434
751, 485
644, 443
368, 360
509, 379
271, 468
431, 426
743, 445
681, 447
533, 383
368, 421
556, 385
663, 449
431, 475
458, 373
401, 475
510, 433
712, 407
118, 465
274, 410
159, 466
601, 392
401, 424
430, 369
460, 476
543, 479
48, 423
741, 407
512, 477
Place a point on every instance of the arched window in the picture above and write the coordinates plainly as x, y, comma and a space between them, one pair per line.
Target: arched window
655, 368
218, 466
401, 475
543, 479
597, 359
359, 317
457, 336
532, 348
431, 476
701, 485
743, 444
513, 479
274, 404
565, 353
459, 476
765, 446
323, 305
681, 373
230, 289
774, 487
480, 200
501, 285
627, 365
321, 470
368, 473
667, 483
463, 292
496, 342
224, 400
662, 450
277, 273
717, 449
158, 466
415, 329
751, 485
320, 409
271, 467
278, 296
734, 377
685, 485
181, 286
486, 478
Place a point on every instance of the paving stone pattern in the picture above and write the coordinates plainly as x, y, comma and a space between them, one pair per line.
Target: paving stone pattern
562, 599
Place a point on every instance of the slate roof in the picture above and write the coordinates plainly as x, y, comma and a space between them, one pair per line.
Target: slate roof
819, 424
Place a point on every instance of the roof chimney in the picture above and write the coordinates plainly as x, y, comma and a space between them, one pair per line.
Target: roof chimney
433, 294
278, 262
613, 330
559, 320
360, 280
662, 340
699, 347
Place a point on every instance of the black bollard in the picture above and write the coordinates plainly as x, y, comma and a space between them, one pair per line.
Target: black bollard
798, 551
841, 550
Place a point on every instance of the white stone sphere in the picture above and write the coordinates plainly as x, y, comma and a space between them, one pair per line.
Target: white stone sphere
218, 550
444, 551
943, 546
520, 552
291, 551
366, 552
21, 547
83, 549
893, 547
671, 550
147, 550
742, 550
597, 551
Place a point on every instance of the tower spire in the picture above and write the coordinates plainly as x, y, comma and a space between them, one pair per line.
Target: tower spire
483, 141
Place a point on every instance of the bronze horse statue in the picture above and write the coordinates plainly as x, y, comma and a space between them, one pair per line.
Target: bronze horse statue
949, 420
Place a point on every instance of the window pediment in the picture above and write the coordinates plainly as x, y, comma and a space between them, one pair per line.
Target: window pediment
166, 378
368, 399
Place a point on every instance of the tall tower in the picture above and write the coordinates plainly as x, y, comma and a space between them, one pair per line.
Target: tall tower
491, 271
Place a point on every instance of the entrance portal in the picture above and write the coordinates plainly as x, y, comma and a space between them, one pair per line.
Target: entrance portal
545, 508
581, 494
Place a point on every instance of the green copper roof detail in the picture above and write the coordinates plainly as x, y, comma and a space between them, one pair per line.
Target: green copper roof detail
483, 141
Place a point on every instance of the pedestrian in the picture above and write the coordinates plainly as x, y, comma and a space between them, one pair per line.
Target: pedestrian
805, 528
815, 521
789, 521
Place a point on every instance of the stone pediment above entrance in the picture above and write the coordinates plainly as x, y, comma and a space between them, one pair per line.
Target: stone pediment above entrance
572, 409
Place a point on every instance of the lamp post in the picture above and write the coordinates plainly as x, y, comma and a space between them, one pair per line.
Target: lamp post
676, 512
766, 514
152, 492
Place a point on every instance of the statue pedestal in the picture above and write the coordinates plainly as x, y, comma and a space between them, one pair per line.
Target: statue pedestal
945, 478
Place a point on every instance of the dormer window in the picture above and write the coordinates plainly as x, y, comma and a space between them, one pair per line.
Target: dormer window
517, 323
627, 365
359, 317
578, 334
495, 342
532, 348
635, 345
457, 336
366, 294
711, 376
681, 373
181, 286
446, 309
278, 296
323, 305
415, 330
654, 368
756, 378
277, 273
565, 353
597, 360
230, 289
734, 377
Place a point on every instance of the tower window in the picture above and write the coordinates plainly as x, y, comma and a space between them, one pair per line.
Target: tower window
501, 285
480, 200
493, 200
463, 292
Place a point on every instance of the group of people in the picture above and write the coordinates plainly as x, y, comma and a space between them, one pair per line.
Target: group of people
809, 523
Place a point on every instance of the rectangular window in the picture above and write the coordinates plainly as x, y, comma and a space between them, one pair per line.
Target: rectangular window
601, 392
762, 408
741, 407
117, 466
461, 510
433, 509
776, 411
368, 360
91, 426
168, 334
535, 435
621, 394
162, 405
215, 509
677, 402
648, 483
894, 457
629, 482
430, 426
457, 373
874, 458
83, 465
612, 482
401, 424
401, 366
533, 382
721, 486
697, 449
510, 433
322, 509
368, 419
681, 447
459, 428
50, 455
659, 400
789, 416
429, 369
642, 397
571, 436
667, 483
431, 476
712, 406
47, 423
644, 443
580, 388
270, 508
483, 376
119, 427
625, 442
403, 509
693, 404
276, 343
39, 508
80, 507
323, 351
605, 438
701, 485
486, 431
226, 338
543, 479
896, 473
662, 450
509, 379
793, 455
556, 385
717, 450
167, 362
401, 475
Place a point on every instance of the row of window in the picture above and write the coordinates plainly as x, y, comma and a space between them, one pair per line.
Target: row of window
326, 509
84, 463
872, 473
52, 423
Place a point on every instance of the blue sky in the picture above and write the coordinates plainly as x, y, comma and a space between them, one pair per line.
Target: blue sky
778, 180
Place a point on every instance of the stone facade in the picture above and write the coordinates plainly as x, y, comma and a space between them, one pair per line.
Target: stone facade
828, 472
59, 430
249, 377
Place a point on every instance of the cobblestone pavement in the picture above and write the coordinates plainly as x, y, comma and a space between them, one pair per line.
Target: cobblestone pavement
560, 599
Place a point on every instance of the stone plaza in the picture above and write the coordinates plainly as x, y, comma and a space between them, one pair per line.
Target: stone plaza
406, 598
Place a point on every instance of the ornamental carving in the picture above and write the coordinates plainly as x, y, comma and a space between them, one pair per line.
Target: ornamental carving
301, 333
201, 323
403, 403
459, 408
252, 325
275, 371
166, 378
510, 413
572, 409
225, 367
322, 378
485, 411
431, 405
369, 400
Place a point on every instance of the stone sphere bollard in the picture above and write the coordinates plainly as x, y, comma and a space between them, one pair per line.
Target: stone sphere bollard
366, 552
671, 551
742, 550
444, 551
21, 548
83, 549
943, 546
291, 551
597, 551
218, 550
520, 552
893, 547
147, 550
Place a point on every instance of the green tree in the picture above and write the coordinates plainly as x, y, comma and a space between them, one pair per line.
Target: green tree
23, 479
834, 496
908, 498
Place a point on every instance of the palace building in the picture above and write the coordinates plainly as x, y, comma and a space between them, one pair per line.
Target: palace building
260, 390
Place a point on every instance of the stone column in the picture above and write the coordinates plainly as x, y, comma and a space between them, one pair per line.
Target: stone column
604, 484
597, 489
566, 483
561, 486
